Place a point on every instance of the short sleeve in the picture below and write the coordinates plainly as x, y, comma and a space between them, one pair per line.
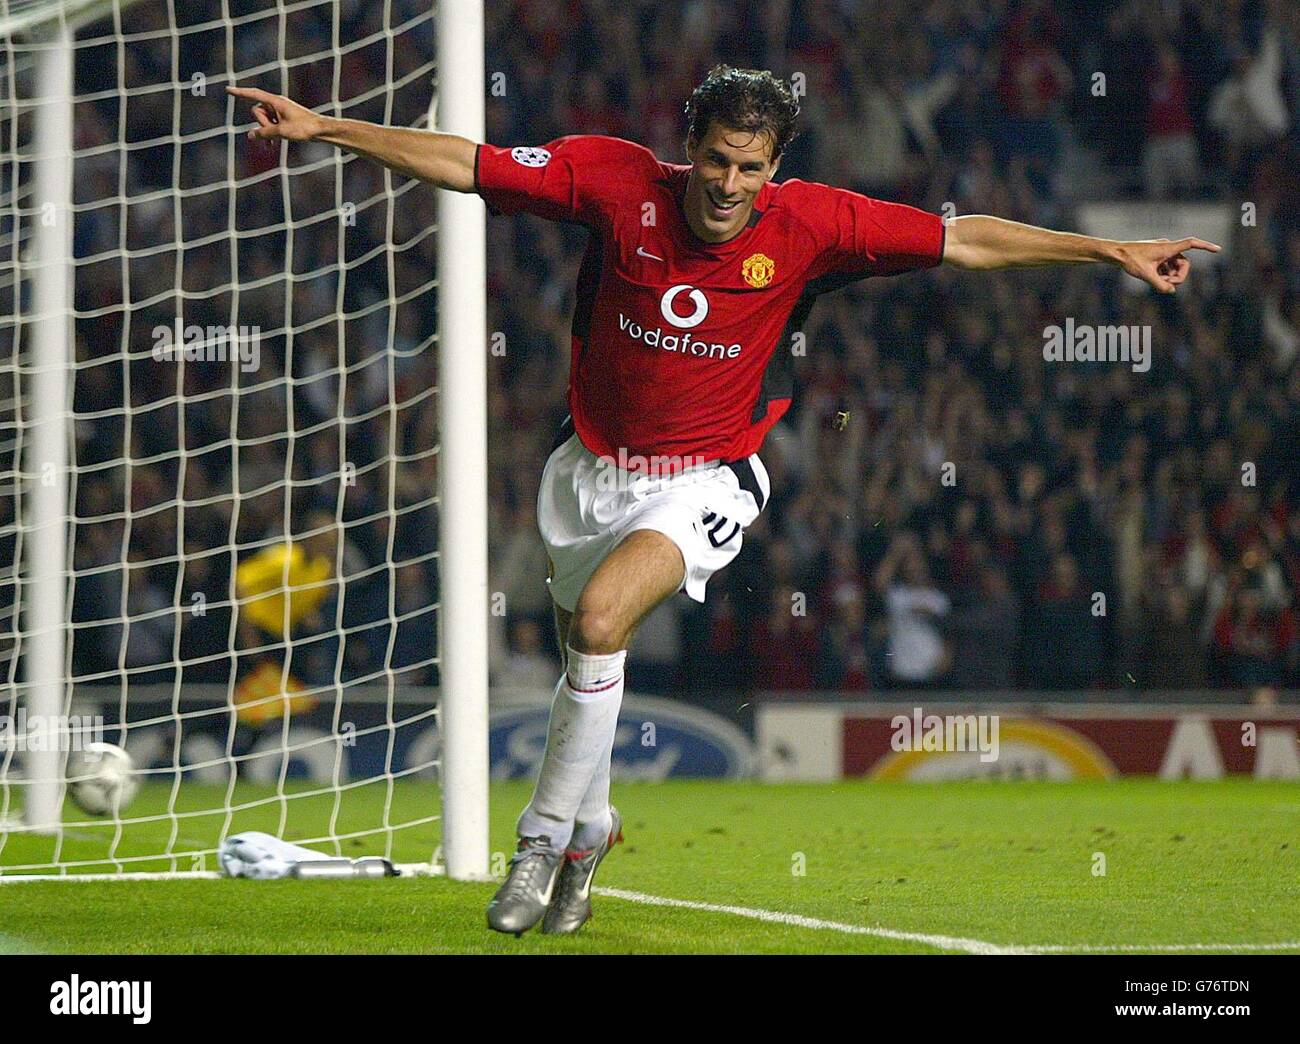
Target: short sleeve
861, 236
574, 178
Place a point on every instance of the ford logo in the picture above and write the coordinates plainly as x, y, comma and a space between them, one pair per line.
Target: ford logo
656, 738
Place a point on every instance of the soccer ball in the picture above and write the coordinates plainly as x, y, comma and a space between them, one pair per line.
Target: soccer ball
101, 778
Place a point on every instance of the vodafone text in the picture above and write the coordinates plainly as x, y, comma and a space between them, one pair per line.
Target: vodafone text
670, 342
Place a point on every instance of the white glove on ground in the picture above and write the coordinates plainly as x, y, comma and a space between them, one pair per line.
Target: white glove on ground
261, 857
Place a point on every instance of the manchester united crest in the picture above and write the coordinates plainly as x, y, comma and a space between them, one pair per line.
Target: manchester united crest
757, 270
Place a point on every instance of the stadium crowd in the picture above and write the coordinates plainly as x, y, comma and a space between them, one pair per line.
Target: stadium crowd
1095, 529
981, 519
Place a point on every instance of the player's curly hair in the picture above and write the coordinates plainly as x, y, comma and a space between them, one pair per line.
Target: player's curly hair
747, 99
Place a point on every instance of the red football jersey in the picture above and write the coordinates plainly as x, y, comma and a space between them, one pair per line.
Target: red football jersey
682, 348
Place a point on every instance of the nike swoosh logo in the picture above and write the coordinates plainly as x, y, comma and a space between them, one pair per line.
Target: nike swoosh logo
585, 891
545, 897
641, 252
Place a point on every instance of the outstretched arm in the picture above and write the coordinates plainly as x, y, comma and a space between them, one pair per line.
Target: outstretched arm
981, 242
444, 160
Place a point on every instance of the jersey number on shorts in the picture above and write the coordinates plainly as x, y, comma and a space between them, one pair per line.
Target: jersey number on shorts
719, 524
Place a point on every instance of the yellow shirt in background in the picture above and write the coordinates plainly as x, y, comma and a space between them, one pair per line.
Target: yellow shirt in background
306, 582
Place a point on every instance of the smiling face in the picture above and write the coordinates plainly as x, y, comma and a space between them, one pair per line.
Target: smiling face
728, 167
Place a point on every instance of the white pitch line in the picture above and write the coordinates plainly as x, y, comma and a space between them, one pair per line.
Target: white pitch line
407, 871
126, 876
943, 942
1167, 948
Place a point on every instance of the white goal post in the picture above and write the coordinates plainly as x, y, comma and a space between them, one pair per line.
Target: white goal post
250, 511
462, 304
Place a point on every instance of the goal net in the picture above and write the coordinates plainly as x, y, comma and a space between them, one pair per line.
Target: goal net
227, 456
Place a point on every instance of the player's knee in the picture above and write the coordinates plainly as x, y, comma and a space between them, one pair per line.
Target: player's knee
596, 630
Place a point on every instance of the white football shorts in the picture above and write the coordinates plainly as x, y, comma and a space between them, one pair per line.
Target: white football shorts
586, 505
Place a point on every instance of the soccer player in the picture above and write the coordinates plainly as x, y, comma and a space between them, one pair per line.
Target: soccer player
694, 278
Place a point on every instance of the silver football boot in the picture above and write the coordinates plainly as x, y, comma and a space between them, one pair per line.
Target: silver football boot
523, 897
571, 907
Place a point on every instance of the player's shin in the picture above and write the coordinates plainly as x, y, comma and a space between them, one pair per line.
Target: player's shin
584, 716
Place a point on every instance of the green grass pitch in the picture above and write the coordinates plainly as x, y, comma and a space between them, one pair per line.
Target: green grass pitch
1011, 864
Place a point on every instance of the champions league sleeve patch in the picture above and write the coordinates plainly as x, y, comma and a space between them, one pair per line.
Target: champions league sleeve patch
530, 156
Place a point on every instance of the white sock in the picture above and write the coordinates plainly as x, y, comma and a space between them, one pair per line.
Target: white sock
579, 738
594, 820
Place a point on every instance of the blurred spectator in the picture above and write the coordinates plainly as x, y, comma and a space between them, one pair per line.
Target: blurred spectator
985, 632
1169, 164
656, 650
527, 666
784, 644
843, 658
1253, 642
1248, 108
1066, 647
918, 653
1172, 657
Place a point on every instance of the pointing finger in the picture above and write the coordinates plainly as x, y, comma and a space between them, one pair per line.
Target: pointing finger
250, 93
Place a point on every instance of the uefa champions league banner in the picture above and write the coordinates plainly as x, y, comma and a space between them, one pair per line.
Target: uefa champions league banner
657, 738
810, 739
804, 736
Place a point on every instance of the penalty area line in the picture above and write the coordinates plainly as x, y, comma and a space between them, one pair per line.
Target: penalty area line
942, 942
